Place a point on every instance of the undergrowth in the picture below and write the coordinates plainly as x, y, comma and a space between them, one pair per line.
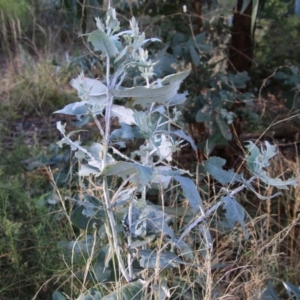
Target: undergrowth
185, 245
94, 234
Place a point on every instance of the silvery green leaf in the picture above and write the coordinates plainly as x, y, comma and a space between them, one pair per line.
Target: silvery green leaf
58, 296
87, 170
252, 157
214, 166
223, 126
269, 293
143, 122
277, 182
161, 291
144, 96
124, 114
104, 270
82, 120
103, 43
159, 92
112, 23
206, 236
91, 294
123, 196
122, 53
73, 109
164, 150
175, 78
165, 260
159, 180
79, 248
156, 221
184, 250
190, 192
147, 221
186, 137
178, 99
123, 169
91, 87
80, 154
125, 133
129, 291
150, 40
261, 197
234, 213
258, 159
99, 24
143, 242
292, 290
160, 109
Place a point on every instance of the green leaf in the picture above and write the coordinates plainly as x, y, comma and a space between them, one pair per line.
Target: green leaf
165, 260
103, 43
223, 126
234, 213
159, 92
80, 220
269, 293
87, 170
79, 248
58, 296
214, 166
123, 169
130, 291
104, 271
258, 159
190, 192
74, 109
186, 137
292, 290
148, 220
91, 294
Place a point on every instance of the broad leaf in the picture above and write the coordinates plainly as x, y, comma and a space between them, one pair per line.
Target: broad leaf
103, 43
124, 114
159, 180
79, 249
91, 87
194, 55
58, 296
130, 291
126, 132
147, 221
82, 217
190, 192
160, 92
103, 270
214, 166
234, 213
186, 137
91, 294
258, 160
292, 290
75, 109
123, 169
165, 260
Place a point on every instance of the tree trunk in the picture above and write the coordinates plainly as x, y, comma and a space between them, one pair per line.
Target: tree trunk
241, 47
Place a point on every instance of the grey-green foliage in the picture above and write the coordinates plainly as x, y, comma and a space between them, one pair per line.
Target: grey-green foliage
270, 293
121, 213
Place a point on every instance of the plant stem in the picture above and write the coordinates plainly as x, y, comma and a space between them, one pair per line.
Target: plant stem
112, 221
